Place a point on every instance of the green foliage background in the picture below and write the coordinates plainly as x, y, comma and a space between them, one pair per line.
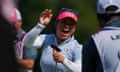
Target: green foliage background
87, 25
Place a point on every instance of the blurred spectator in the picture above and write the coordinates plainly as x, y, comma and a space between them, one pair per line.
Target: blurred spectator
25, 56
101, 53
7, 61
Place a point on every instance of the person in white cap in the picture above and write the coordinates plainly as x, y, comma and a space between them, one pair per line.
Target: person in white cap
101, 53
65, 58
25, 56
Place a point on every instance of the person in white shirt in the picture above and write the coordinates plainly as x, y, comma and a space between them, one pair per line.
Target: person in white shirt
69, 58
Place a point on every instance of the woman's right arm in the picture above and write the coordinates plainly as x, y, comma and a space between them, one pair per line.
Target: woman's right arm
33, 39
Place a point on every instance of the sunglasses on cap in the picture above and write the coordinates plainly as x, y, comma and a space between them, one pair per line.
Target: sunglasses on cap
70, 10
